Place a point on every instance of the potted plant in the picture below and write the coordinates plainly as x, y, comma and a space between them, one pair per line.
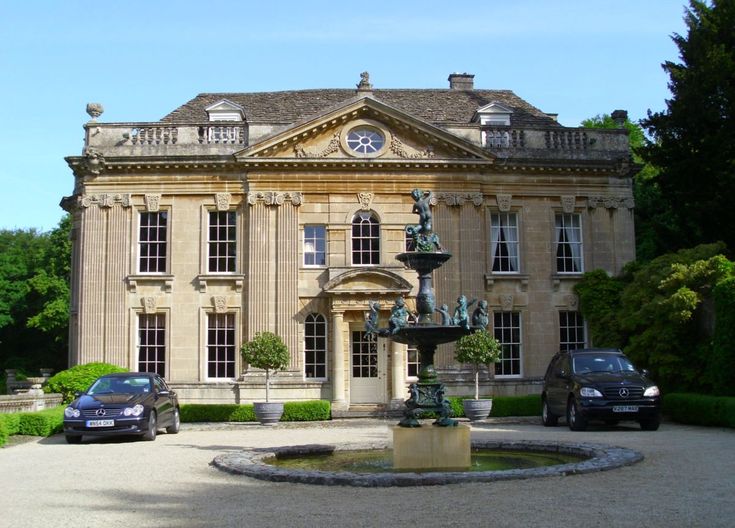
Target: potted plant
268, 352
477, 349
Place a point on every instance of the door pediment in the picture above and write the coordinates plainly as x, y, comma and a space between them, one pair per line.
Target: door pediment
372, 281
337, 134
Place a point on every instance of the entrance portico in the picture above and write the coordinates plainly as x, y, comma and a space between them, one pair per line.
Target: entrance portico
361, 364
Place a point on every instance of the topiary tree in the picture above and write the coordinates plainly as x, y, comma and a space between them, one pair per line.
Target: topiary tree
268, 352
79, 378
477, 349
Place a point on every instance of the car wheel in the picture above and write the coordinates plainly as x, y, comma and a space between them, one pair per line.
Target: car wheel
650, 423
575, 420
150, 434
73, 439
547, 417
176, 425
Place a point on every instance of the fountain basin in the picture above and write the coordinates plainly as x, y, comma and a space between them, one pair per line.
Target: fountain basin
252, 463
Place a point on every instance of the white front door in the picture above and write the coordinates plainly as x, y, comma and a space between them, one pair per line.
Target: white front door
367, 367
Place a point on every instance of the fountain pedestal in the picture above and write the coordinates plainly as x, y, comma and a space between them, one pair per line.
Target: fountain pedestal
445, 448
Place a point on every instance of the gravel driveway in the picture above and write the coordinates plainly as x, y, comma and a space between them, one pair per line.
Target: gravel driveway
686, 479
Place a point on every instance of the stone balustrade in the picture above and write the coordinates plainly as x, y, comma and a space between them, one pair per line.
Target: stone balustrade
218, 138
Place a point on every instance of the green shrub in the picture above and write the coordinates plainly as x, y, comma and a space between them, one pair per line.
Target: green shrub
78, 379
306, 411
4, 433
42, 423
228, 412
699, 409
529, 405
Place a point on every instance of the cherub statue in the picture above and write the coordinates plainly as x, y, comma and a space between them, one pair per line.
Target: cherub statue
444, 311
398, 316
479, 316
371, 320
461, 314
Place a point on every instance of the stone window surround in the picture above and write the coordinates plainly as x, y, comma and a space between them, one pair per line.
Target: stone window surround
326, 349
205, 312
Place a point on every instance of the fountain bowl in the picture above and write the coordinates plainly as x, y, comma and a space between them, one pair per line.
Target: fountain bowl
251, 463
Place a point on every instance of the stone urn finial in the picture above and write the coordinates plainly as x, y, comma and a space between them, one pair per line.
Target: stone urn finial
94, 110
364, 84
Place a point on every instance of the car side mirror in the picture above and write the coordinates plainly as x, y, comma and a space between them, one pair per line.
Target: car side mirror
645, 372
164, 393
562, 374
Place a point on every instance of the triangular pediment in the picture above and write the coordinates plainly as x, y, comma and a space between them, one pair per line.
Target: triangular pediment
387, 134
225, 110
367, 281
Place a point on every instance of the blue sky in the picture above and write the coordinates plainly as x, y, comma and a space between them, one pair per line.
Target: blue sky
142, 59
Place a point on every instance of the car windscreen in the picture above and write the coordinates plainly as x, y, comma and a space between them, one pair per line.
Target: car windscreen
116, 385
588, 363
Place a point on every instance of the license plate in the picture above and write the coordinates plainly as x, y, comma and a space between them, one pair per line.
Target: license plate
100, 423
625, 408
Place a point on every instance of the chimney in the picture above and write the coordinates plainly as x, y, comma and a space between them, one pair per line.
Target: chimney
461, 81
619, 116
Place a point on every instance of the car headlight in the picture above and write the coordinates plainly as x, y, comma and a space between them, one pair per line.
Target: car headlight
651, 392
133, 411
589, 392
71, 412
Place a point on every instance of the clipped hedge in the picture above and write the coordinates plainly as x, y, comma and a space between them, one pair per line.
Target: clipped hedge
301, 411
699, 409
529, 405
40, 423
78, 378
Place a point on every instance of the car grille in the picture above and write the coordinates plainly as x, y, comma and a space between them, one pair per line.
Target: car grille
109, 413
613, 393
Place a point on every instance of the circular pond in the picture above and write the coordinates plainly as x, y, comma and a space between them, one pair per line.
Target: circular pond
368, 465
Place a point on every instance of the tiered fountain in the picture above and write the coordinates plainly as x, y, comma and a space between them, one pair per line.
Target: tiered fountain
448, 445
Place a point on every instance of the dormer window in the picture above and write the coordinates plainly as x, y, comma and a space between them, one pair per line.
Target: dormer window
493, 114
225, 110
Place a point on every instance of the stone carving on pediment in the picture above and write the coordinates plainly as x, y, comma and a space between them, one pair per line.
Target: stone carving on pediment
400, 149
223, 201
104, 200
568, 203
275, 197
506, 302
93, 162
610, 202
504, 202
149, 305
333, 146
220, 303
572, 302
152, 202
365, 199
458, 199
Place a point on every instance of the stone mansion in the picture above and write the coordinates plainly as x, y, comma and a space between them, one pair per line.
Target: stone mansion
284, 211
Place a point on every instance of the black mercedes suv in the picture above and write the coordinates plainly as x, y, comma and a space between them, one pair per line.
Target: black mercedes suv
598, 384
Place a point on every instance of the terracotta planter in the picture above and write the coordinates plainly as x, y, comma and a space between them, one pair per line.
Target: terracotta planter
268, 413
477, 410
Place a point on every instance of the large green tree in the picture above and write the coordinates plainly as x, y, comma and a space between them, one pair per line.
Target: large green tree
34, 297
693, 140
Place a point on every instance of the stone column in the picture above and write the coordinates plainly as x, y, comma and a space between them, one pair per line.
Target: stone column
338, 362
398, 378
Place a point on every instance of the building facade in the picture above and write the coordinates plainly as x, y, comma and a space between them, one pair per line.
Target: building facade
284, 211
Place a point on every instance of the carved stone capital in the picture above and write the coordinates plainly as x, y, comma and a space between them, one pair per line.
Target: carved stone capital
152, 202
365, 199
568, 203
504, 202
104, 200
458, 199
275, 198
